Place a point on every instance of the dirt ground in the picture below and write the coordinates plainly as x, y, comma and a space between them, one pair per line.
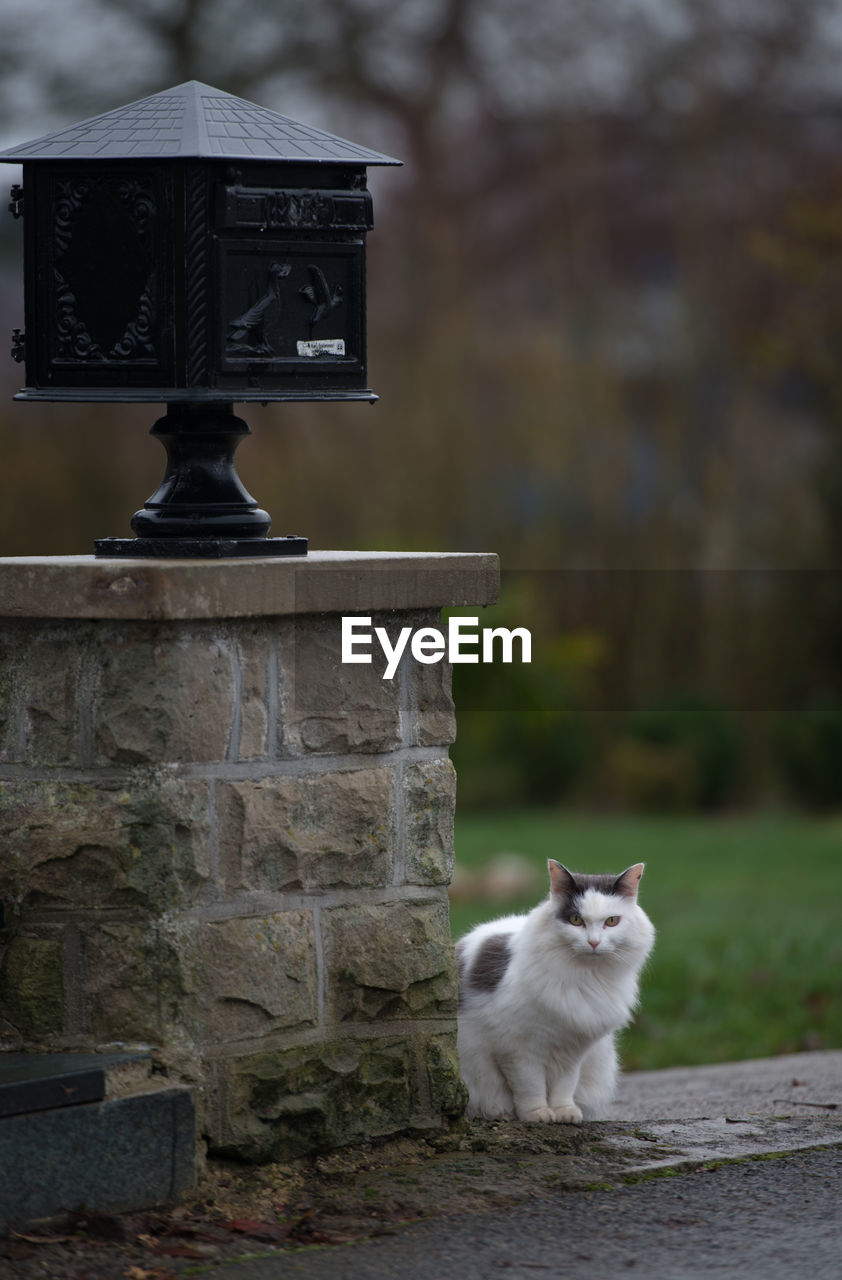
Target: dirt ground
351, 1194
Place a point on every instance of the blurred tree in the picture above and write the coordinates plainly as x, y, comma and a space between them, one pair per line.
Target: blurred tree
555, 284
579, 298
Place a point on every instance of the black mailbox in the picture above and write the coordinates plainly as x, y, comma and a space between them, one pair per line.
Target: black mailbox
194, 249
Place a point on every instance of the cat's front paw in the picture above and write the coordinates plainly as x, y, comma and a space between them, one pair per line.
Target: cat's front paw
536, 1115
568, 1113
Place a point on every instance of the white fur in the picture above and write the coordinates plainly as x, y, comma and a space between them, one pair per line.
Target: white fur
540, 1046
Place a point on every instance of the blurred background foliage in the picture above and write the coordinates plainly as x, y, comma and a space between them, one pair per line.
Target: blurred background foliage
657, 691
605, 316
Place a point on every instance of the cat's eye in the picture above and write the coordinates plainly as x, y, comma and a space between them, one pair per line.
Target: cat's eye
611, 921
575, 918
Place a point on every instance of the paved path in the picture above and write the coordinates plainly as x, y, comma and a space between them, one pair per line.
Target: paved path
796, 1084
762, 1219
767, 1221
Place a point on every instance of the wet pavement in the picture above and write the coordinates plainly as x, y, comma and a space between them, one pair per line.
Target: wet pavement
768, 1220
726, 1171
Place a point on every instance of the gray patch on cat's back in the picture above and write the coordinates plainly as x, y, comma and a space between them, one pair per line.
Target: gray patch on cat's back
490, 962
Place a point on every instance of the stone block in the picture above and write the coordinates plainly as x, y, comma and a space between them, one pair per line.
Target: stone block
106, 1157
330, 707
187, 982
257, 975
165, 694
39, 679
135, 981
435, 715
41, 1081
257, 659
448, 1095
429, 804
49, 702
313, 831
286, 1103
32, 986
389, 961
102, 844
9, 716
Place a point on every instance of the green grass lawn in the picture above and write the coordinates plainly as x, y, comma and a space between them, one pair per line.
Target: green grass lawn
748, 911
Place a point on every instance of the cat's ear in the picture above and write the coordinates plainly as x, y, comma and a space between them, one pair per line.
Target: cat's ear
562, 883
626, 885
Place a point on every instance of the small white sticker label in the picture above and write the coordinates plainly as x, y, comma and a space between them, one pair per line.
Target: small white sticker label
322, 347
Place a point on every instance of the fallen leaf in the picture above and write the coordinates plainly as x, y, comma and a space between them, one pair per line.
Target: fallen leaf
182, 1250
19, 1235
329, 1237
260, 1230
142, 1273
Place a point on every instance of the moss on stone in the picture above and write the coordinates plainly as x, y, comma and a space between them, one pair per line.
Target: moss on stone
32, 986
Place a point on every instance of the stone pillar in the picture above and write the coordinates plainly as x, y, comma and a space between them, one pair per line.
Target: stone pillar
218, 840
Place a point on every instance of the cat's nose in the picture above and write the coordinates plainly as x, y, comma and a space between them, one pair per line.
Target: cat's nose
594, 942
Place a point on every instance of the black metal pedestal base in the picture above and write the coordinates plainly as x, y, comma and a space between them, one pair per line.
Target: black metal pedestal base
200, 510
198, 548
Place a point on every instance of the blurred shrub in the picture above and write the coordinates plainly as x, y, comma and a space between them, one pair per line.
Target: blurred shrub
652, 777
523, 733
808, 747
507, 756
678, 753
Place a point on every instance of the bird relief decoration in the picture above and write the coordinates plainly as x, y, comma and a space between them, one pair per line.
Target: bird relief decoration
284, 305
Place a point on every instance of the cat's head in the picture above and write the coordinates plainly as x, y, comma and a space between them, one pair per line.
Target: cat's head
598, 915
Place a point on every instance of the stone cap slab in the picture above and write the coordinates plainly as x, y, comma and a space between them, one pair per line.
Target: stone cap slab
322, 582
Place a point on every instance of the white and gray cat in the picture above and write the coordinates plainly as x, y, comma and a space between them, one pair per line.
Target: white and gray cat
541, 996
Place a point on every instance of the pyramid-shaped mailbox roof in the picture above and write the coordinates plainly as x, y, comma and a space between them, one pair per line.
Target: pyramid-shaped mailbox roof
194, 120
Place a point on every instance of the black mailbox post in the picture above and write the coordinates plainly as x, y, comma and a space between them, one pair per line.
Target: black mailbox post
194, 249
